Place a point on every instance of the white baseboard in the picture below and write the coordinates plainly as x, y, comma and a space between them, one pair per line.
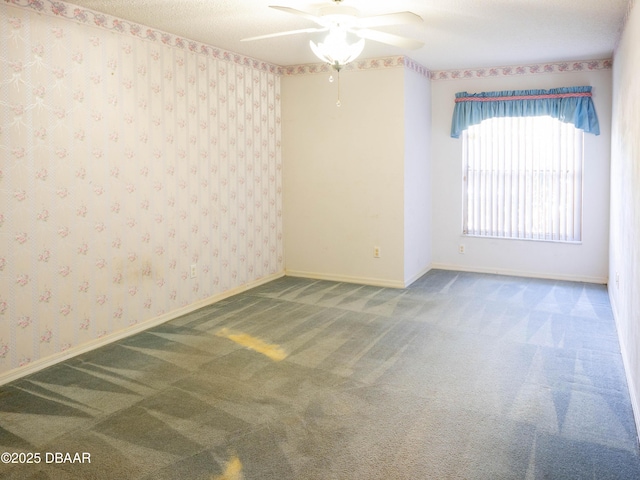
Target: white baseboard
38, 365
375, 282
518, 273
410, 280
631, 385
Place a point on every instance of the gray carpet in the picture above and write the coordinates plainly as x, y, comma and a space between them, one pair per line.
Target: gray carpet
460, 376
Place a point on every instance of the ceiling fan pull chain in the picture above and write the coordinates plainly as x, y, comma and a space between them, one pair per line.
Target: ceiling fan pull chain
338, 103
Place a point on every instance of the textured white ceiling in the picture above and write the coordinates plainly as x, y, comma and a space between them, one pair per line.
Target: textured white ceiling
456, 33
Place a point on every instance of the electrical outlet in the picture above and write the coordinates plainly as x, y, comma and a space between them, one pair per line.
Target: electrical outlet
460, 248
376, 252
194, 270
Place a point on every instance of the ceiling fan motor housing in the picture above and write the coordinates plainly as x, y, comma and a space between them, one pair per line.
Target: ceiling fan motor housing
338, 15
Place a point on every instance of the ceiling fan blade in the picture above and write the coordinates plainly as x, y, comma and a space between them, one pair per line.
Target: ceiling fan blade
398, 18
300, 13
388, 38
282, 34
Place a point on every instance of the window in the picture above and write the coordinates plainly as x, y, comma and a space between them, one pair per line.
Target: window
522, 178
522, 160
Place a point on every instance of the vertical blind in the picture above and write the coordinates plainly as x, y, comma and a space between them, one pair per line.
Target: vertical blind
523, 179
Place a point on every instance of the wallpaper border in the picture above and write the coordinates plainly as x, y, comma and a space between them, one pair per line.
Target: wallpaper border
364, 64
456, 74
531, 69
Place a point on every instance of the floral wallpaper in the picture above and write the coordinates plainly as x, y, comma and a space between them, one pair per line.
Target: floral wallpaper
124, 161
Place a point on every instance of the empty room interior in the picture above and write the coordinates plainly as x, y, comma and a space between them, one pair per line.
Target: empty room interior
322, 239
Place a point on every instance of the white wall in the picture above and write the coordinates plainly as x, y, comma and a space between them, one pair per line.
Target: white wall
585, 262
624, 266
343, 176
417, 175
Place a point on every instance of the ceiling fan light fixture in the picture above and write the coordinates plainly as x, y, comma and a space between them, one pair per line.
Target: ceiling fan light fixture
335, 50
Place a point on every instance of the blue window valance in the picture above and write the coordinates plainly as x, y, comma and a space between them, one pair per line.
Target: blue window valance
569, 105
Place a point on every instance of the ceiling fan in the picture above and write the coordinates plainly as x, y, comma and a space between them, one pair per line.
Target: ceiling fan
338, 20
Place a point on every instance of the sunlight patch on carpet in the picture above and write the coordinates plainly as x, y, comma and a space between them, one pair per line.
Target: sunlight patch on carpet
274, 352
233, 470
